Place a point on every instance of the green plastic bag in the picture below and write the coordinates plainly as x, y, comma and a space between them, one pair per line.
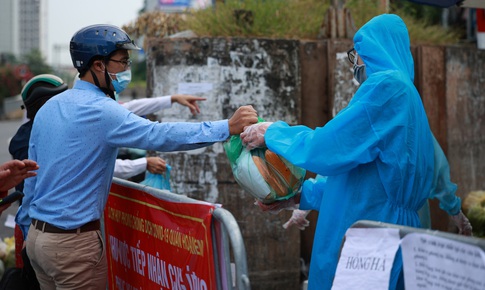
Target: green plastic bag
234, 146
266, 180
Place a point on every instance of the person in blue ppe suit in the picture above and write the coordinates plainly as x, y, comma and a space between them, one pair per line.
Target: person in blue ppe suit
377, 153
442, 189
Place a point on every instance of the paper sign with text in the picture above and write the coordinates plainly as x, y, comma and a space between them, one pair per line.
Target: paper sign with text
157, 244
433, 263
366, 259
194, 88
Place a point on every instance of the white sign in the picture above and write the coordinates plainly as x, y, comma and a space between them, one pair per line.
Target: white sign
194, 88
473, 3
10, 221
434, 263
366, 259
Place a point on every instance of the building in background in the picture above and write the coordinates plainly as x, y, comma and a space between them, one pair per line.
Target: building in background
22, 26
8, 25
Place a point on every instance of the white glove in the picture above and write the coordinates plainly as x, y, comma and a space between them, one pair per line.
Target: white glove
298, 218
462, 223
253, 136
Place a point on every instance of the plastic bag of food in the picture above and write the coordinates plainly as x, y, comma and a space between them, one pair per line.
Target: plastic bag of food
264, 174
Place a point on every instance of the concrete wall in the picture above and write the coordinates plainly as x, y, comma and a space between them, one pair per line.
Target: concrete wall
304, 82
230, 73
451, 81
465, 114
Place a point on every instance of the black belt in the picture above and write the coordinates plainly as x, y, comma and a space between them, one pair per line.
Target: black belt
48, 228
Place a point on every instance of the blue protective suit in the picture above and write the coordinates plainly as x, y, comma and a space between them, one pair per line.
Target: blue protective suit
442, 188
377, 153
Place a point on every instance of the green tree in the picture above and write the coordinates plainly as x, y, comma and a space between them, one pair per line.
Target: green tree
139, 71
428, 14
10, 84
36, 63
14, 73
6, 58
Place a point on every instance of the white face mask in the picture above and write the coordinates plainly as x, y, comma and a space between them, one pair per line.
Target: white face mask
359, 71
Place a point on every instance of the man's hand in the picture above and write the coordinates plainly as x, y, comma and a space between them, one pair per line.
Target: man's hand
189, 101
156, 165
14, 171
243, 117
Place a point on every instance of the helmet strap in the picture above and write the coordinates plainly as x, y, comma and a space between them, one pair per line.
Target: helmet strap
107, 79
107, 91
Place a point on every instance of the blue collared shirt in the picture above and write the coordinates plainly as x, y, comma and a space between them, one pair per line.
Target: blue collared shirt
75, 140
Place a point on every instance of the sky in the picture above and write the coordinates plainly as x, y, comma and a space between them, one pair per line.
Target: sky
65, 17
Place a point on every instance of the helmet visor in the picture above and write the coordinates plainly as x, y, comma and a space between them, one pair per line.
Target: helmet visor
129, 45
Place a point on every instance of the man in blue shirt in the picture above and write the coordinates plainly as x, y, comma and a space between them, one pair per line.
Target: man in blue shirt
75, 140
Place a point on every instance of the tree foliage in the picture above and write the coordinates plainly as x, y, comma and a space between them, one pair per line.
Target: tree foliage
302, 19
36, 63
14, 73
154, 24
288, 19
10, 83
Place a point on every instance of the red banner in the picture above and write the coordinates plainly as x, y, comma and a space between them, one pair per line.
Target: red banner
156, 244
481, 20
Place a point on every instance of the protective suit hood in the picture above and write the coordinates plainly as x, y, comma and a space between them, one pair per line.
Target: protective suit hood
383, 44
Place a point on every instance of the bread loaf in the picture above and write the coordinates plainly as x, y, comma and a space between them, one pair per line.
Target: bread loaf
269, 177
279, 168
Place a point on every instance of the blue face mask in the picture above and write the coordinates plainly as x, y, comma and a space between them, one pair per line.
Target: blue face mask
359, 73
122, 80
